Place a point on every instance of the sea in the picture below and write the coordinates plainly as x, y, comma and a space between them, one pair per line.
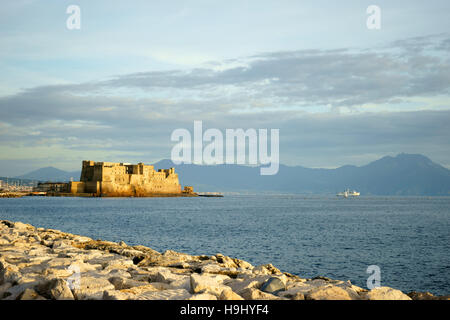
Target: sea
408, 238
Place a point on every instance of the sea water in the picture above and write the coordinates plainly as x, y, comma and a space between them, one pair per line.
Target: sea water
407, 237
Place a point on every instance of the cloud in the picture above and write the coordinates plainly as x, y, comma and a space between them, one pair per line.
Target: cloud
134, 114
413, 67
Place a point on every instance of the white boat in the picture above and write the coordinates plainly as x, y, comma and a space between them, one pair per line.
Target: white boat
347, 193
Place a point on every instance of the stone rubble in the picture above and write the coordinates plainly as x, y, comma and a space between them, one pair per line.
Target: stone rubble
40, 264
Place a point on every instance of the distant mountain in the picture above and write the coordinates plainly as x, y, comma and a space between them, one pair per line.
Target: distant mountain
51, 174
405, 174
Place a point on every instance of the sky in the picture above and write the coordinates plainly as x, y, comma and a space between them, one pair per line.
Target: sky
117, 87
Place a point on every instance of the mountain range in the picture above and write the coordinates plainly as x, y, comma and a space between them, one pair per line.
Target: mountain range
51, 174
404, 174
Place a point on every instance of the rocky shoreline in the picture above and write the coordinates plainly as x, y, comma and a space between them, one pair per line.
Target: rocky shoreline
14, 194
40, 264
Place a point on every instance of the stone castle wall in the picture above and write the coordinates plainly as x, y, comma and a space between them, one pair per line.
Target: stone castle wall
122, 179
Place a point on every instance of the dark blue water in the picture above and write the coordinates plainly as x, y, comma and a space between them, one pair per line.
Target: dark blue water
407, 237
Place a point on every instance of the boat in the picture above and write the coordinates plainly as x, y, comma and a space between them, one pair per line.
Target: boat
347, 193
210, 194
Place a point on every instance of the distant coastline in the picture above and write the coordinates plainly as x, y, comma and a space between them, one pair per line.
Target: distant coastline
414, 175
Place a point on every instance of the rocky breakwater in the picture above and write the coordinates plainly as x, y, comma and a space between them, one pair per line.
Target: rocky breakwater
38, 263
13, 194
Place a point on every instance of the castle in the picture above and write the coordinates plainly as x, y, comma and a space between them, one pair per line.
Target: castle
121, 180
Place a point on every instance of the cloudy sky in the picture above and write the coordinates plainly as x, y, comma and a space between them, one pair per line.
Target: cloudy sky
115, 89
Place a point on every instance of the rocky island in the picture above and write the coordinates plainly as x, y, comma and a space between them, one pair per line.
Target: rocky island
40, 264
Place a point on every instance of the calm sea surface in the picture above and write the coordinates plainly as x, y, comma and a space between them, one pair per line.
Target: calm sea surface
407, 237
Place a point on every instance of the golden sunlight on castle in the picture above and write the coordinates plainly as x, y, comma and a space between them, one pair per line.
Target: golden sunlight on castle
121, 180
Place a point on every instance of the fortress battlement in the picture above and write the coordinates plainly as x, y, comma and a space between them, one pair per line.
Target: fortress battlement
123, 180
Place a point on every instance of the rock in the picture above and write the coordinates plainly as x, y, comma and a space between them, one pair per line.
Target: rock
146, 250
85, 267
23, 226
273, 285
31, 278
141, 275
125, 283
256, 294
118, 273
225, 261
168, 258
354, 291
91, 288
57, 272
117, 295
178, 255
3, 288
69, 264
203, 296
304, 287
47, 243
39, 255
228, 294
15, 291
212, 283
7, 223
181, 265
266, 269
321, 278
60, 262
122, 244
112, 247
61, 244
329, 292
170, 294
155, 286
386, 293
228, 262
239, 273
30, 294
297, 296
238, 285
182, 284
59, 290
243, 264
211, 268
421, 296
317, 282
118, 264
214, 268
104, 259
8, 272
36, 238
165, 275
80, 239
296, 291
